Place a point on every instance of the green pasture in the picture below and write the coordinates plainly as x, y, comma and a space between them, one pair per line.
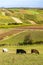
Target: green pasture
18, 59
11, 58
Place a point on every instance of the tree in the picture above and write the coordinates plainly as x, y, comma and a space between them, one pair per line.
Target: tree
27, 39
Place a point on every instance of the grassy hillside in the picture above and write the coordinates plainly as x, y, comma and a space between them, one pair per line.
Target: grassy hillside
35, 15
26, 16
5, 19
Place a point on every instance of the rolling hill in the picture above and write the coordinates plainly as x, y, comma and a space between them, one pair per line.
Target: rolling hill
14, 16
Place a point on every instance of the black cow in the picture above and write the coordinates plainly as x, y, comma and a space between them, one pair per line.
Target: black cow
34, 51
20, 51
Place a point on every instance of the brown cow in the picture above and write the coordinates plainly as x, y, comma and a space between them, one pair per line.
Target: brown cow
34, 51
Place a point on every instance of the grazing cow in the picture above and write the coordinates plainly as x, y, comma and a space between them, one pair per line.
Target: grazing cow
34, 51
5, 50
20, 51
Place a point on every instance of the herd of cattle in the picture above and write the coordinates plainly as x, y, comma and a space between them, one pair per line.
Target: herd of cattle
21, 51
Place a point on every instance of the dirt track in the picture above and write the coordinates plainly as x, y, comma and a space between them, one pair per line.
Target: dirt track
16, 20
32, 22
31, 27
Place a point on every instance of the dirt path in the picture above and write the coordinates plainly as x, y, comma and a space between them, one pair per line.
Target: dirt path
16, 20
32, 22
37, 27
